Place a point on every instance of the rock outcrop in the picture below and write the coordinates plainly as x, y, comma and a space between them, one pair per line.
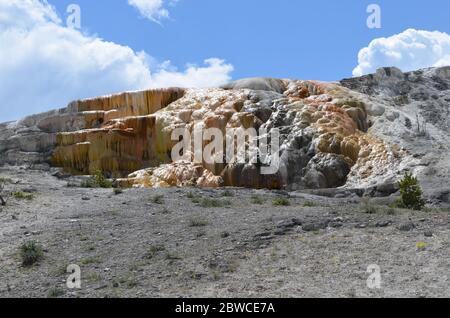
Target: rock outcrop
358, 133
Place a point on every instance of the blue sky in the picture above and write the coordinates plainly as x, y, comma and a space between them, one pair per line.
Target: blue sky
200, 43
283, 38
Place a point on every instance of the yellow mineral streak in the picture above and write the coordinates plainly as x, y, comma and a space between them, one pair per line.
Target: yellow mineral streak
119, 135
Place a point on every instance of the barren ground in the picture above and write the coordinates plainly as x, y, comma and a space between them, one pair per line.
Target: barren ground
130, 245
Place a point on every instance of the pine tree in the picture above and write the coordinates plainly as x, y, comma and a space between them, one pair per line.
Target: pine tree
411, 193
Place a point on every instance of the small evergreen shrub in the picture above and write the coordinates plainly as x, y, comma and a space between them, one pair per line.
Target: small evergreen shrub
411, 193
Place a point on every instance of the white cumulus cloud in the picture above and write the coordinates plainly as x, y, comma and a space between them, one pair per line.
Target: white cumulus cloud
44, 65
214, 73
154, 10
409, 50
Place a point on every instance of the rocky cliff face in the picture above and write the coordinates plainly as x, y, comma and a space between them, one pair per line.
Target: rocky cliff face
362, 132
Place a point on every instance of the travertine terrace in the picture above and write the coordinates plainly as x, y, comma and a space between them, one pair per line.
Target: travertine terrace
358, 133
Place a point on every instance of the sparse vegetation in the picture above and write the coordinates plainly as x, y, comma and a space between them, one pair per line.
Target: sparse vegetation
153, 251
200, 234
198, 221
411, 193
194, 197
191, 195
5, 180
228, 194
256, 199
172, 256
97, 180
20, 195
215, 274
128, 281
55, 292
89, 260
309, 204
207, 202
281, 202
214, 203
131, 283
368, 207
390, 211
30, 253
59, 270
401, 100
92, 277
118, 191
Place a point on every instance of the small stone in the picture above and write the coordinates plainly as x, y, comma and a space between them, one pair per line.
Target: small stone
61, 175
224, 235
297, 222
281, 231
286, 224
29, 190
428, 234
101, 287
406, 227
361, 226
85, 198
336, 225
383, 224
314, 226
263, 234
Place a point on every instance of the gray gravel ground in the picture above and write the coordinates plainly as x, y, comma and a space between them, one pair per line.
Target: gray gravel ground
136, 244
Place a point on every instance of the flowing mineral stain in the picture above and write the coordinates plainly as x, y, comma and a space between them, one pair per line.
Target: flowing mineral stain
128, 136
